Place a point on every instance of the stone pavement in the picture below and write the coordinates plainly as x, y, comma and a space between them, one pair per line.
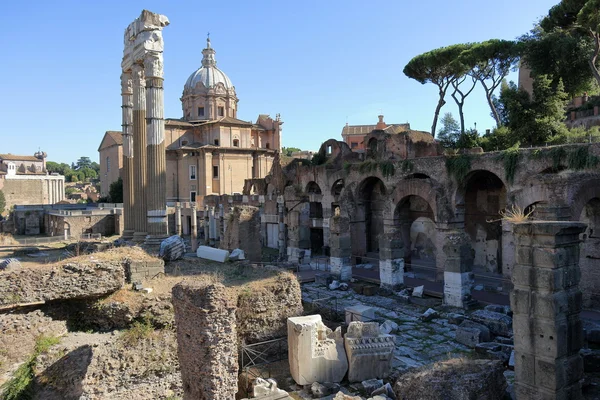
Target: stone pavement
417, 342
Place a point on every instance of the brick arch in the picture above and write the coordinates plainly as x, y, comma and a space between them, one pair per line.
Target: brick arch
417, 187
586, 192
460, 193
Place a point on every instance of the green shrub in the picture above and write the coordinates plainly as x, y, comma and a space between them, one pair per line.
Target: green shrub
459, 167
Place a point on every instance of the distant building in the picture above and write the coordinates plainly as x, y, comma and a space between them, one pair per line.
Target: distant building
304, 154
111, 151
209, 150
24, 180
354, 135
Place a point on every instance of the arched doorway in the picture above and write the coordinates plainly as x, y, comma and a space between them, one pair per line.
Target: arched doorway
414, 218
484, 197
368, 219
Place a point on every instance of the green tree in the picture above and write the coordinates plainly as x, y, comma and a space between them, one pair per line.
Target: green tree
2, 202
589, 18
439, 67
96, 167
449, 133
287, 151
468, 139
83, 162
115, 191
88, 173
490, 62
62, 168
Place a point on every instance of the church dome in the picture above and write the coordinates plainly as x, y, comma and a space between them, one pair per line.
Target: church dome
209, 75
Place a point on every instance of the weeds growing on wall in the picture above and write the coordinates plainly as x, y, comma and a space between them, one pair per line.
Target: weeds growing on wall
20, 386
510, 158
514, 214
406, 166
575, 159
458, 167
387, 168
347, 167
367, 166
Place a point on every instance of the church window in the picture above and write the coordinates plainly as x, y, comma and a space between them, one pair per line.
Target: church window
216, 142
107, 164
201, 111
221, 111
193, 172
215, 172
236, 143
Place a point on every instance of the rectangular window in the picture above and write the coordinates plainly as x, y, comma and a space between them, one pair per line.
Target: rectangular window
192, 196
215, 172
201, 111
221, 111
193, 172
107, 164
216, 142
353, 145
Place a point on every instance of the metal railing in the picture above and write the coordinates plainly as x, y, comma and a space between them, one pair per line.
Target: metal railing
41, 240
326, 306
256, 358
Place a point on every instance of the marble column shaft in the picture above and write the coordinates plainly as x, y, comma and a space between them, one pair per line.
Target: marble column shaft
194, 228
156, 164
178, 219
127, 172
139, 151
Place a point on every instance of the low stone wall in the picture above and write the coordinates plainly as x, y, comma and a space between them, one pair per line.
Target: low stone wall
61, 282
262, 312
138, 271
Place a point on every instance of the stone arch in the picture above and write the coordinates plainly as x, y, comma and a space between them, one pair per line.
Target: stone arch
420, 188
367, 219
337, 187
478, 204
587, 191
313, 187
415, 220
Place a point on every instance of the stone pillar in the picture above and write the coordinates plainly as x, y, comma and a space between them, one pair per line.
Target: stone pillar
281, 233
221, 230
293, 250
391, 259
212, 225
139, 152
156, 165
127, 172
546, 302
206, 340
206, 227
194, 228
340, 248
178, 219
458, 269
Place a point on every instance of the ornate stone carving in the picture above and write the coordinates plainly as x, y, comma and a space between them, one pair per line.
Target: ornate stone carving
370, 353
153, 65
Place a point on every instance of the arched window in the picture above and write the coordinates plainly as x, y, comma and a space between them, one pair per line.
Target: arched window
236, 143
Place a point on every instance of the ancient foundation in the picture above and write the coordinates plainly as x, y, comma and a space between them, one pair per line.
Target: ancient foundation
206, 340
391, 261
546, 303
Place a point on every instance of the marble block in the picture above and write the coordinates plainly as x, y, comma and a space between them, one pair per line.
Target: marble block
359, 313
370, 353
316, 353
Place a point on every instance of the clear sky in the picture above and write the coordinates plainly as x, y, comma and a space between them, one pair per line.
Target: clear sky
317, 63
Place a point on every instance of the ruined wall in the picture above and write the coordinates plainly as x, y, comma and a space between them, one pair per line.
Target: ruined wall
69, 280
206, 340
139, 271
263, 309
243, 231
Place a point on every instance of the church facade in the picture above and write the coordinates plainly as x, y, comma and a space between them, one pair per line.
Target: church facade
209, 150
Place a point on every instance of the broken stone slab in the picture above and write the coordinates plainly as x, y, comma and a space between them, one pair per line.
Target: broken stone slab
237, 255
371, 385
369, 352
334, 285
511, 360
485, 335
386, 391
172, 248
499, 324
469, 337
315, 352
388, 327
455, 318
418, 291
359, 313
456, 379
10, 264
268, 390
344, 396
483, 348
499, 309
319, 390
210, 253
429, 315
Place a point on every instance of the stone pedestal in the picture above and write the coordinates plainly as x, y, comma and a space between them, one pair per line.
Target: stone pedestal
369, 352
316, 353
458, 269
546, 302
391, 261
340, 247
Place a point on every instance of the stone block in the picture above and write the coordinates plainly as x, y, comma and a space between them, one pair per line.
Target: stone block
369, 290
341, 268
591, 360
268, 390
370, 352
483, 348
499, 324
359, 313
469, 337
391, 273
315, 352
418, 291
210, 253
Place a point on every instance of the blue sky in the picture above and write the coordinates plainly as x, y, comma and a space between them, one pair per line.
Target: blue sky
317, 63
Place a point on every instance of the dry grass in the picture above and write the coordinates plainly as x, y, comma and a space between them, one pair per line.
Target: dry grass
6, 239
515, 214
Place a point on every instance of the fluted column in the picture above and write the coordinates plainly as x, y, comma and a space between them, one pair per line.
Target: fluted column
139, 152
178, 219
156, 195
127, 172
